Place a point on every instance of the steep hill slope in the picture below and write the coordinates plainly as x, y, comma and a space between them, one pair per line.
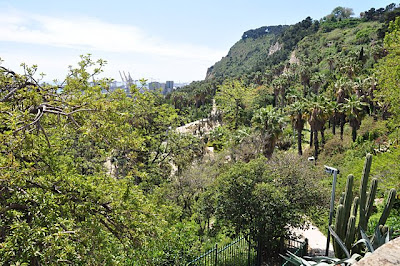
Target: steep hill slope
262, 48
254, 47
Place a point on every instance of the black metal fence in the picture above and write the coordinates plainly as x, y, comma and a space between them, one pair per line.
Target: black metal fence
298, 248
243, 252
239, 252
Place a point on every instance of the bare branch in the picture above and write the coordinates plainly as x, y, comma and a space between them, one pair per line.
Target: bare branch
37, 118
12, 92
45, 134
81, 110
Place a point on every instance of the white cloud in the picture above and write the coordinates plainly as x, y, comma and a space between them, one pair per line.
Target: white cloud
93, 34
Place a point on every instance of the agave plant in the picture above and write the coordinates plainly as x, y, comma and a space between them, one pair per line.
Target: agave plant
320, 260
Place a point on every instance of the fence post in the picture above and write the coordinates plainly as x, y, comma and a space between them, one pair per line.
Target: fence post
216, 254
248, 251
259, 251
305, 248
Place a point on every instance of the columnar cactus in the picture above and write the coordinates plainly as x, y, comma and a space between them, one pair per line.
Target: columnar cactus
371, 198
345, 223
363, 192
338, 229
351, 232
388, 207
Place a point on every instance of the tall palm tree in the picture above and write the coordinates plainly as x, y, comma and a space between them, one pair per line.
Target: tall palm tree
370, 88
317, 81
257, 78
276, 83
325, 103
355, 112
280, 85
331, 61
316, 114
342, 87
305, 76
269, 122
350, 65
335, 110
267, 76
297, 114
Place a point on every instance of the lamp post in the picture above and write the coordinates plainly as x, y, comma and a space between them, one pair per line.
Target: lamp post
335, 172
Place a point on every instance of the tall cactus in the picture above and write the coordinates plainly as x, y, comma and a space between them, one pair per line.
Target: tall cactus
371, 198
363, 192
338, 229
388, 207
351, 232
348, 199
356, 202
345, 223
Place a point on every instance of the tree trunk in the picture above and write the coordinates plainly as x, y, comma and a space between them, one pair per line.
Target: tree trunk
323, 136
316, 146
299, 139
275, 98
342, 121
334, 125
354, 133
269, 147
282, 97
311, 138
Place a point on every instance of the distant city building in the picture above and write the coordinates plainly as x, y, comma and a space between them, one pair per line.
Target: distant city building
169, 86
164, 88
154, 86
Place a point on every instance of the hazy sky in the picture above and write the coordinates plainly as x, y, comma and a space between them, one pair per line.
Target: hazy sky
158, 40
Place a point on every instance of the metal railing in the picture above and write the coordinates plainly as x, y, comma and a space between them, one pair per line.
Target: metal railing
298, 248
239, 252
243, 252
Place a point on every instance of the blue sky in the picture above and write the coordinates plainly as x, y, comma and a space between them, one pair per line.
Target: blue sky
157, 40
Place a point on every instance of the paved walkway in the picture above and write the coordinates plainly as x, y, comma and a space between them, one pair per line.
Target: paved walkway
316, 240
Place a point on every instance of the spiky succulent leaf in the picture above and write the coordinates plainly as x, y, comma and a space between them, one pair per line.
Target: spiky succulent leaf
339, 242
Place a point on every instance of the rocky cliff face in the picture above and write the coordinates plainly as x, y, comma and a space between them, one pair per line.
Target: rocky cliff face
209, 74
275, 48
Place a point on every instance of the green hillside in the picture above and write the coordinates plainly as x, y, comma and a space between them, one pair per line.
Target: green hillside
246, 55
325, 89
95, 176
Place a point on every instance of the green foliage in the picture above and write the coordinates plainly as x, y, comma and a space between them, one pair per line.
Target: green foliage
194, 101
219, 138
233, 99
266, 198
388, 72
253, 53
90, 176
269, 122
59, 203
330, 25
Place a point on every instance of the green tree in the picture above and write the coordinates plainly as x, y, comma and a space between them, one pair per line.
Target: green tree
342, 88
388, 72
297, 114
317, 114
58, 204
354, 110
233, 98
269, 122
266, 198
341, 13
